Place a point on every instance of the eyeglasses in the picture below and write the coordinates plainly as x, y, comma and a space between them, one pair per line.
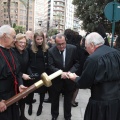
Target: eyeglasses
21, 42
13, 37
62, 44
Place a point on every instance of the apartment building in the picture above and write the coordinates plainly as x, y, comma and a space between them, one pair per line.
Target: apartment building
41, 15
18, 13
61, 15
69, 15
56, 14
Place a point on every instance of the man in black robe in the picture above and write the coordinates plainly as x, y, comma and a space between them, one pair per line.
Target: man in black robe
101, 74
10, 77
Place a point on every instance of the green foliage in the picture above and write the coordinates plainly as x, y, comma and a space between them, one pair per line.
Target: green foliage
52, 32
91, 12
19, 29
14, 25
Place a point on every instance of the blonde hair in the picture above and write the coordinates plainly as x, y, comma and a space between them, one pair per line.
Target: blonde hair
20, 36
44, 45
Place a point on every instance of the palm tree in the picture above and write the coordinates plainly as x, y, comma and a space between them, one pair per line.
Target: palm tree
26, 4
8, 4
27, 15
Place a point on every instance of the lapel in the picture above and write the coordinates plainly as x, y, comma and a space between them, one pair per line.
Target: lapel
67, 55
57, 55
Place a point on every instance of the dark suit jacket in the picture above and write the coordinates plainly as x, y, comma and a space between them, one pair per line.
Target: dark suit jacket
71, 64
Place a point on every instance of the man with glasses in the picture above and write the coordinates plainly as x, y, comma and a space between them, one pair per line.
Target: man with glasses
10, 77
101, 74
62, 56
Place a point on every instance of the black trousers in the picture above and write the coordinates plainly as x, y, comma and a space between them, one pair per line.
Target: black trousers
67, 103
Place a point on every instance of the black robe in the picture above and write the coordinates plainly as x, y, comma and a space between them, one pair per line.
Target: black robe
7, 89
101, 74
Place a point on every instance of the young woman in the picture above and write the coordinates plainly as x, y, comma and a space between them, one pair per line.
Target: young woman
38, 63
22, 55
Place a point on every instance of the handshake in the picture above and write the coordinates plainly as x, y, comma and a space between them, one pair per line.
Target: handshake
69, 75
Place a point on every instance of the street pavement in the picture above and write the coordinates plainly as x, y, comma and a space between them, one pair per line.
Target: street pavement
77, 112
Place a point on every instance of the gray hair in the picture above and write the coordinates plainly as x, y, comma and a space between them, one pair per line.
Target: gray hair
60, 35
94, 38
5, 29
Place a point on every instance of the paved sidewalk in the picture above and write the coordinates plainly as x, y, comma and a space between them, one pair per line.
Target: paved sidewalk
77, 112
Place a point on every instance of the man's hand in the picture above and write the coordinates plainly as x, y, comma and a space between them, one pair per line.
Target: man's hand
26, 77
72, 76
2, 106
64, 75
22, 88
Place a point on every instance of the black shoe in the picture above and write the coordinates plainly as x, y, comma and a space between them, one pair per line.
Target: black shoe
23, 118
74, 105
30, 110
47, 100
68, 119
39, 110
34, 100
54, 118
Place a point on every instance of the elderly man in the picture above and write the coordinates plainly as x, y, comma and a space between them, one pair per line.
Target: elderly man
29, 37
10, 77
102, 75
62, 56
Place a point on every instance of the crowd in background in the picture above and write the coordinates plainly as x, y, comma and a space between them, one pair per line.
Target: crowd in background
37, 53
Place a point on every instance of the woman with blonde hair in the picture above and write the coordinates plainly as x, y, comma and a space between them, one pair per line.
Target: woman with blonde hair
38, 63
22, 55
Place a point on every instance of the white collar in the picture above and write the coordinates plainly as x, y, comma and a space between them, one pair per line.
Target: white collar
2, 46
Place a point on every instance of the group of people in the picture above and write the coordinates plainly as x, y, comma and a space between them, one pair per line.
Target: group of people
21, 65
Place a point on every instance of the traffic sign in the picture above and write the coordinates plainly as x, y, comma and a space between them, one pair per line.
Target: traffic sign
112, 11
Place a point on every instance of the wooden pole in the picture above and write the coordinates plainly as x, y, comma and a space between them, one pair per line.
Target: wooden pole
46, 80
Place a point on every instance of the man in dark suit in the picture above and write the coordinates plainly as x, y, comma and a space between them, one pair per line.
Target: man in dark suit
62, 56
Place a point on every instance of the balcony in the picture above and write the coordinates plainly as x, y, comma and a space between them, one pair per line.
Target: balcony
59, 0
58, 9
59, 5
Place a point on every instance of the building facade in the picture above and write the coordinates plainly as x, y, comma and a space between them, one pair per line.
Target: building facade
41, 15
61, 15
56, 14
18, 13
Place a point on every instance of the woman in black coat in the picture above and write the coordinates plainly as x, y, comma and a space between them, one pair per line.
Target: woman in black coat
38, 64
22, 55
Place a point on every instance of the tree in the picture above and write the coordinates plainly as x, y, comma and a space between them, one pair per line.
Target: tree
91, 12
52, 32
14, 25
8, 4
26, 4
19, 29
